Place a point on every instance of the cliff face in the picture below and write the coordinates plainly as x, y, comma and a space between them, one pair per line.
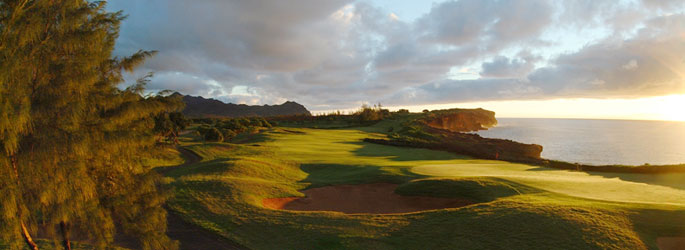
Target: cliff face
488, 148
201, 107
461, 120
444, 130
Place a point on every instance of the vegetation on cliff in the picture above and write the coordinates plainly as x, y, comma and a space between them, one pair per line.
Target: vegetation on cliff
460, 120
443, 130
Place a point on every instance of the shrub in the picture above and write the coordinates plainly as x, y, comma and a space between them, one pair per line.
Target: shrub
228, 134
213, 134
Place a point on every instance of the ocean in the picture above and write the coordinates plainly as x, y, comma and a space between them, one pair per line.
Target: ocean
598, 142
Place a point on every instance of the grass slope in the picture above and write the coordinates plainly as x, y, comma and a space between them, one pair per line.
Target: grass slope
523, 207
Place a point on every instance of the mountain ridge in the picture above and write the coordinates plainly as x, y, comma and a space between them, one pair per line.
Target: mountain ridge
200, 107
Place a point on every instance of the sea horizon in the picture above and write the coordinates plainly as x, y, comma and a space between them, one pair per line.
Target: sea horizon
598, 141
581, 118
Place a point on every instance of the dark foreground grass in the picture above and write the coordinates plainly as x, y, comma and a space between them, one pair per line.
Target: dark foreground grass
223, 193
50, 245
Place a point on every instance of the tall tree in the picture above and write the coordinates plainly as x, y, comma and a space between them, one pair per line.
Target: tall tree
169, 125
71, 140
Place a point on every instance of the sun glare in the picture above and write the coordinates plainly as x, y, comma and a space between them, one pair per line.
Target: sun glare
672, 108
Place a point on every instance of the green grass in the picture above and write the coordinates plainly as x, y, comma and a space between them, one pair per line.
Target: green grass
600, 186
521, 206
477, 189
164, 157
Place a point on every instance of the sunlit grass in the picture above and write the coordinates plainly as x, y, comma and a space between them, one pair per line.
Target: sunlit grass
164, 157
601, 186
523, 207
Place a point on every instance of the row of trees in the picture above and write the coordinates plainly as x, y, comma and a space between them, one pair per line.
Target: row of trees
363, 116
71, 142
225, 129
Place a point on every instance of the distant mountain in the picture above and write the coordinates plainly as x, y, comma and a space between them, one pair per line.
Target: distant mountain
197, 106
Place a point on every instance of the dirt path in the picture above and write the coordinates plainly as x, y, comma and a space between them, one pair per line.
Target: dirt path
377, 198
190, 235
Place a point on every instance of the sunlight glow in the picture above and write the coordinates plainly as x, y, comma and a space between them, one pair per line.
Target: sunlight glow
666, 108
673, 108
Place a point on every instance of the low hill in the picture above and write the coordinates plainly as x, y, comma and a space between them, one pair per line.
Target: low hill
197, 106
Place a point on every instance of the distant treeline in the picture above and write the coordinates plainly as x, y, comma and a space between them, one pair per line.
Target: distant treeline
225, 129
365, 115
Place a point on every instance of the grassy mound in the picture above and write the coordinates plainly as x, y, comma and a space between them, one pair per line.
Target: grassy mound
477, 189
164, 157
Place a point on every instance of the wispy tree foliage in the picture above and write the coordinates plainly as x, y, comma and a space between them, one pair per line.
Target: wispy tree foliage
71, 142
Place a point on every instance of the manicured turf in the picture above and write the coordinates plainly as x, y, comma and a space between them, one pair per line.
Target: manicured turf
600, 186
521, 207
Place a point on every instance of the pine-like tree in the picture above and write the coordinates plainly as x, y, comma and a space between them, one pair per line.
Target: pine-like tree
71, 141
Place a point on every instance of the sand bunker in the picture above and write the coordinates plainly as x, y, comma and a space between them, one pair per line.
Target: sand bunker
378, 198
671, 243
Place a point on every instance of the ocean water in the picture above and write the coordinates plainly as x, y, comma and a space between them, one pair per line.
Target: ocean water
598, 142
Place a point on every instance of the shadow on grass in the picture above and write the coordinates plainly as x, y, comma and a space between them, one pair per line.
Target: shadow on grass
672, 180
216, 166
251, 138
651, 224
402, 153
320, 175
510, 225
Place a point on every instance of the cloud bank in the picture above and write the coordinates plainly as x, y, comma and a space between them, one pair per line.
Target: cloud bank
338, 54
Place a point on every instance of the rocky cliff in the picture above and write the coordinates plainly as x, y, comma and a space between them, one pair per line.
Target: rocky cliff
197, 106
461, 120
488, 148
444, 130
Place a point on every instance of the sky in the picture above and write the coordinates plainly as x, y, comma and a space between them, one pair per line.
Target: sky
613, 59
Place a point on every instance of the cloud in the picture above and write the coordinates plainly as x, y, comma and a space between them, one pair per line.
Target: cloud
502, 66
493, 24
631, 65
650, 64
341, 53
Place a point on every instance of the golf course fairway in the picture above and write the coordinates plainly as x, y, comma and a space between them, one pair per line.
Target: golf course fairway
511, 206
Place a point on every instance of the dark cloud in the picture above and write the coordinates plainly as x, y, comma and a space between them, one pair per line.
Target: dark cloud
340, 53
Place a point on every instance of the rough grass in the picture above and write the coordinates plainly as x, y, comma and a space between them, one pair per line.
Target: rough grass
163, 157
522, 207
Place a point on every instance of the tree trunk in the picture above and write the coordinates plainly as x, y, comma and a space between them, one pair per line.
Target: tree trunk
66, 243
27, 237
24, 231
175, 137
